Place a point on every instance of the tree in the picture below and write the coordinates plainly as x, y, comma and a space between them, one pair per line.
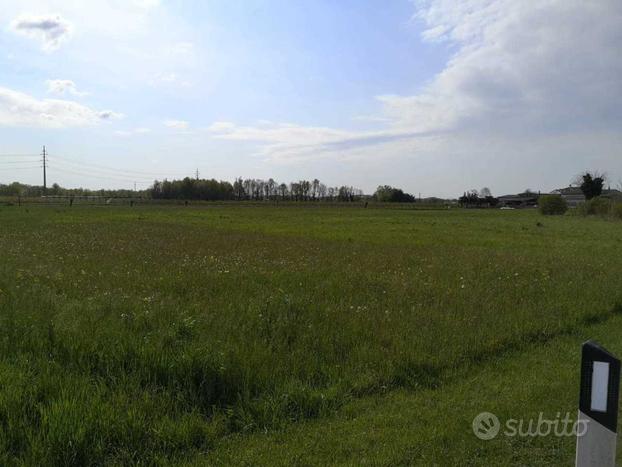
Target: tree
315, 189
591, 186
305, 189
388, 194
345, 193
481, 199
322, 191
238, 189
485, 192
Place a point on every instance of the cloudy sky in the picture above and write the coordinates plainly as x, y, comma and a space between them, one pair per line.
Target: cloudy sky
436, 96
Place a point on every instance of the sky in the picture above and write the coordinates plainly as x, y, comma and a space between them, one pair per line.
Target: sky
433, 96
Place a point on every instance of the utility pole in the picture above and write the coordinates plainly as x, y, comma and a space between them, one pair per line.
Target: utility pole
44, 154
197, 174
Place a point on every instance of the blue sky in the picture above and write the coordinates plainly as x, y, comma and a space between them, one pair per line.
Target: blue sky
434, 96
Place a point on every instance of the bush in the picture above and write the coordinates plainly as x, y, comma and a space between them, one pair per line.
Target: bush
552, 205
388, 194
617, 211
598, 206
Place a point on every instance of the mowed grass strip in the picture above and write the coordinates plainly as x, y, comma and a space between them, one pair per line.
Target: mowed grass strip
434, 426
147, 334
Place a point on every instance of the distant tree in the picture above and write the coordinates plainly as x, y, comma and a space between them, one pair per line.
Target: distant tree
305, 188
348, 193
389, 194
591, 185
322, 191
294, 191
469, 198
241, 189
383, 193
238, 189
315, 189
331, 193
187, 188
485, 192
474, 198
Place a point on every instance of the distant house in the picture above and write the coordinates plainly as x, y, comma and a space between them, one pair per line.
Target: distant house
615, 195
572, 194
521, 200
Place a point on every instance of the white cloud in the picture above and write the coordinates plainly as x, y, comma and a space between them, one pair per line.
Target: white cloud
284, 142
177, 124
519, 66
277, 132
518, 69
146, 4
526, 86
64, 86
51, 30
180, 48
171, 79
134, 131
22, 110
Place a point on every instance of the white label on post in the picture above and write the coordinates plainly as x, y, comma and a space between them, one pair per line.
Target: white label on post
600, 383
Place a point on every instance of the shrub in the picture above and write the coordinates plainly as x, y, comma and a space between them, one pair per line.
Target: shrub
598, 206
552, 205
617, 211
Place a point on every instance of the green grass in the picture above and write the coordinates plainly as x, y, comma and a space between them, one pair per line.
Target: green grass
152, 335
433, 426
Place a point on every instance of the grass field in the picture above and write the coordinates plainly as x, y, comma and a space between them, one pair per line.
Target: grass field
233, 334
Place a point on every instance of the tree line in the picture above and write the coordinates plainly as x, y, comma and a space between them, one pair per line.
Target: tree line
35, 191
481, 198
389, 194
251, 189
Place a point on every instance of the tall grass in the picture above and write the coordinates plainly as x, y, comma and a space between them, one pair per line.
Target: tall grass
602, 207
132, 335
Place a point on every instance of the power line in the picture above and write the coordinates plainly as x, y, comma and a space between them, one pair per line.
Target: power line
19, 155
21, 168
84, 169
15, 162
115, 172
104, 177
130, 172
89, 172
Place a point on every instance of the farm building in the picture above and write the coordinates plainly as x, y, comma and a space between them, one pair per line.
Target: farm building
572, 194
613, 194
522, 200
